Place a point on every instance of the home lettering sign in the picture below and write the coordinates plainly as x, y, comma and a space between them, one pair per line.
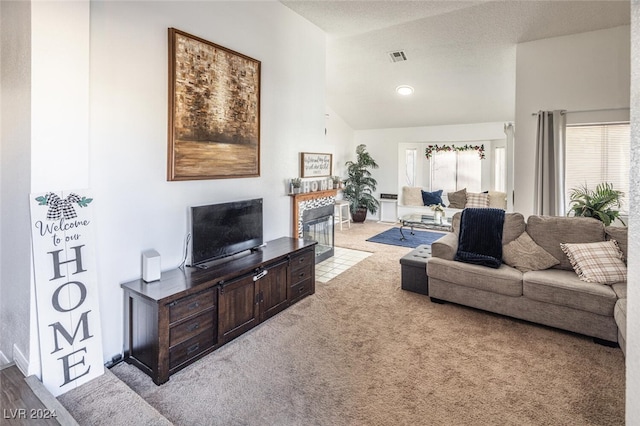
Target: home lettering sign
66, 289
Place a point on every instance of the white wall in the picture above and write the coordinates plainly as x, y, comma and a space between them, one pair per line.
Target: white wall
99, 113
588, 71
15, 179
137, 208
383, 145
339, 137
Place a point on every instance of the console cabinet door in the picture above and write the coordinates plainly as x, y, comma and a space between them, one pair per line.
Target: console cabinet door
237, 307
273, 290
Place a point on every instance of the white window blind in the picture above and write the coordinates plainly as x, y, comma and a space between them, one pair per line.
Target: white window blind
454, 170
596, 154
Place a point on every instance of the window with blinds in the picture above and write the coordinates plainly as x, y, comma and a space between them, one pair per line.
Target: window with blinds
455, 170
598, 153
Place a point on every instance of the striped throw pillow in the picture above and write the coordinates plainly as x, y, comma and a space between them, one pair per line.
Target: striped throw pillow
475, 200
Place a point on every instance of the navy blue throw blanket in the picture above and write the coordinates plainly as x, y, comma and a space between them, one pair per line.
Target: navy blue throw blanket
480, 238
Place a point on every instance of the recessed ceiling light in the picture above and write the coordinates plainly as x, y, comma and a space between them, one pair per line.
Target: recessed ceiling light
404, 90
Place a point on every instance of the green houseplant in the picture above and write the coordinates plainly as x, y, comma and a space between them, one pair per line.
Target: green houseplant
602, 203
360, 185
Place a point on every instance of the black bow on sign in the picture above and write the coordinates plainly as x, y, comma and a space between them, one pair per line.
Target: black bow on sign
61, 207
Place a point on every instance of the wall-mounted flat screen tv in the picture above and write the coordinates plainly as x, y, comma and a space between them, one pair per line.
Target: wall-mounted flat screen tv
225, 229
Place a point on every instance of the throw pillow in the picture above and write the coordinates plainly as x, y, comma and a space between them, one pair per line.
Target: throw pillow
458, 199
525, 255
477, 201
497, 200
599, 262
411, 196
431, 198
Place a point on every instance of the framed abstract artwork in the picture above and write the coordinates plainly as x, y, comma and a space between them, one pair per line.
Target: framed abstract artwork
214, 111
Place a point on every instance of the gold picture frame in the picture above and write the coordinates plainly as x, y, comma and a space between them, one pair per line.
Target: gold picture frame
214, 111
313, 164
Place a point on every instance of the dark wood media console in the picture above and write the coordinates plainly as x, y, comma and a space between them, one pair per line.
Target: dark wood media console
190, 312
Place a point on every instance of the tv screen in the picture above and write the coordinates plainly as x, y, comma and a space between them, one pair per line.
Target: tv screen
219, 230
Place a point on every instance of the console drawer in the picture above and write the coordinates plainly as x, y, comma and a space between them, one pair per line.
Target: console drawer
191, 305
191, 348
303, 260
301, 274
300, 290
186, 330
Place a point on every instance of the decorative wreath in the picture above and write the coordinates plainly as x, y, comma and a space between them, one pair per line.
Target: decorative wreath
448, 148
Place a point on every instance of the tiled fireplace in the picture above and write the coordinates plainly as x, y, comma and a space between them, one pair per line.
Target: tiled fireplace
313, 220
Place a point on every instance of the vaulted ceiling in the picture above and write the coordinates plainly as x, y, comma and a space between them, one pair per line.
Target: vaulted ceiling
460, 54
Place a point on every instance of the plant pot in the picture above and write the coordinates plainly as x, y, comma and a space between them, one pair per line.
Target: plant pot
359, 215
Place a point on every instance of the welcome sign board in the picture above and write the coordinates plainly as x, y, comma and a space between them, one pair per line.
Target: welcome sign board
66, 289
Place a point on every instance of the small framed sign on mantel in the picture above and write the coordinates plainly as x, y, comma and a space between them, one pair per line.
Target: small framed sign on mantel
315, 164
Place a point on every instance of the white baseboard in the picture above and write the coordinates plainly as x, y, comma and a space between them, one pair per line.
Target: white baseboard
21, 361
3, 359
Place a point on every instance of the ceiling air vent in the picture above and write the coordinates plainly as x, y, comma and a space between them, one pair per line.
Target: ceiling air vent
398, 56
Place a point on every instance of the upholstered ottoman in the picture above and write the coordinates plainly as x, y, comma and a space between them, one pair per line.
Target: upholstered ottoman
414, 269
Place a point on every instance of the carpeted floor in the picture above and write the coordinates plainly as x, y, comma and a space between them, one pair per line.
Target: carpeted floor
412, 239
361, 351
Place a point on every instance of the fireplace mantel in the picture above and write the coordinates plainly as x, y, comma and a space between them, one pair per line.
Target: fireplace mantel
300, 198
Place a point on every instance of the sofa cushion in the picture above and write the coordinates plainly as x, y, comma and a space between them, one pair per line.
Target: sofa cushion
620, 289
504, 280
497, 200
620, 315
514, 226
618, 233
550, 231
412, 196
564, 288
478, 201
599, 262
457, 199
525, 255
431, 198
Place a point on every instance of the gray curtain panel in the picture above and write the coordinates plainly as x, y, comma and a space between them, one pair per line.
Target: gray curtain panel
549, 191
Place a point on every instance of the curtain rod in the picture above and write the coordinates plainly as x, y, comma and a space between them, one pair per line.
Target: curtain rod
589, 110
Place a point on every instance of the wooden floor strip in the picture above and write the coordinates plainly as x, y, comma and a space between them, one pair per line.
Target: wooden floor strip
25, 401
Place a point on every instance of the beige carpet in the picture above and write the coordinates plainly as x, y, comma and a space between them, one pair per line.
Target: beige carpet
361, 351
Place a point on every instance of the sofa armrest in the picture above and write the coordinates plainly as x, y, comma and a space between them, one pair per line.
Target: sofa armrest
445, 247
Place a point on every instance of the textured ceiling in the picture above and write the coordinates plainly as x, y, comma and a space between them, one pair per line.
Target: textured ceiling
461, 54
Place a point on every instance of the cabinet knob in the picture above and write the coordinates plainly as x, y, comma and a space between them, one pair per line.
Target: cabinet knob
194, 326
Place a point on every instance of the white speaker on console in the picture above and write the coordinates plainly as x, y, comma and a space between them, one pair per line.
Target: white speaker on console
150, 265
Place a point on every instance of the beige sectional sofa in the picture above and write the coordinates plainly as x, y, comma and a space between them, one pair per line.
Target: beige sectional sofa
554, 297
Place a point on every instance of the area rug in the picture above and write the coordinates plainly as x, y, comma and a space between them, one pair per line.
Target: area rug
412, 240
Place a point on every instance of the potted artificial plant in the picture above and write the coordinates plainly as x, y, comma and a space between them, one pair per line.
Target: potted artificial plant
336, 182
602, 203
359, 185
295, 185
